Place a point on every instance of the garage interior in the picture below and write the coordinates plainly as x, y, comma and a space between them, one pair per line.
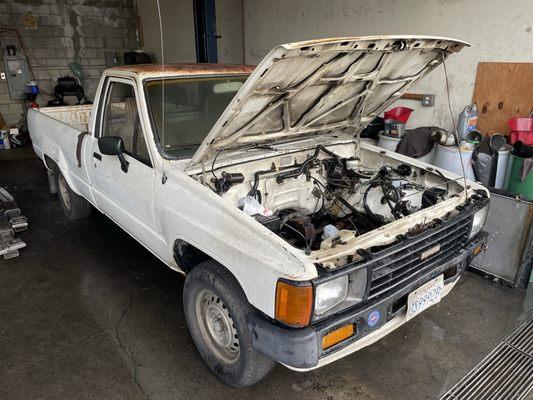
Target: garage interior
87, 312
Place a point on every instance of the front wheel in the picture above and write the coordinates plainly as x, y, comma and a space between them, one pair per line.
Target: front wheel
216, 310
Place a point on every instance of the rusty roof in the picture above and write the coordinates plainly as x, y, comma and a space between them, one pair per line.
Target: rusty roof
185, 69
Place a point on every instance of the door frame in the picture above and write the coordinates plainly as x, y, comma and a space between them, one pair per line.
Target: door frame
205, 31
102, 103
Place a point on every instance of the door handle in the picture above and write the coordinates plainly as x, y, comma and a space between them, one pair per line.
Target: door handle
98, 156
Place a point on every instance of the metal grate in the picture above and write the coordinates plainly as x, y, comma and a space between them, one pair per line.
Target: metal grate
398, 269
505, 374
510, 224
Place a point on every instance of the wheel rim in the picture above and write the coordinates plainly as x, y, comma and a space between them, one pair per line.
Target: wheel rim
217, 326
63, 191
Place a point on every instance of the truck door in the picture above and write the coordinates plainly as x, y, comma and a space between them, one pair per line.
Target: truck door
125, 197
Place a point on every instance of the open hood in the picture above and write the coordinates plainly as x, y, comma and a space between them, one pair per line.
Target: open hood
319, 86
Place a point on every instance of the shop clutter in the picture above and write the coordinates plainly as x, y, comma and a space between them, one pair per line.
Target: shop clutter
11, 222
496, 160
10, 136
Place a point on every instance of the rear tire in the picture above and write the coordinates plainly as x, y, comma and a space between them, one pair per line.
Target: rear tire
216, 311
74, 206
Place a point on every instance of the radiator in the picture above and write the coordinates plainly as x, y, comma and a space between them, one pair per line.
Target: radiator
509, 255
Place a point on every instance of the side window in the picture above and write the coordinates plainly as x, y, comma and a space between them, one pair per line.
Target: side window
121, 118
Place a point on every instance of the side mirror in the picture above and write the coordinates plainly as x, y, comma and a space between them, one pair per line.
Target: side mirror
111, 145
114, 146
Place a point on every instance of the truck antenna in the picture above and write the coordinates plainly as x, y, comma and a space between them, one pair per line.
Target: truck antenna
164, 178
454, 131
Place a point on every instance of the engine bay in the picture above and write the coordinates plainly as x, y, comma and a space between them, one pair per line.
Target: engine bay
316, 198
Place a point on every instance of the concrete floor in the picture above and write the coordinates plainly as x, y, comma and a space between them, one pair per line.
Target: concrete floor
88, 313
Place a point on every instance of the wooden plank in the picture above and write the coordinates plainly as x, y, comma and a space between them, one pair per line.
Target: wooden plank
412, 96
502, 90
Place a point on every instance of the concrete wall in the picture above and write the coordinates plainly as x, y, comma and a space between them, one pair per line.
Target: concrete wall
229, 27
178, 30
75, 30
498, 30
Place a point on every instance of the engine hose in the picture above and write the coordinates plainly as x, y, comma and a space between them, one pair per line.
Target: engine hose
303, 166
384, 188
360, 175
254, 192
354, 211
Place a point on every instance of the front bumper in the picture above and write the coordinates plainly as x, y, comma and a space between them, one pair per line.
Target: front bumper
300, 349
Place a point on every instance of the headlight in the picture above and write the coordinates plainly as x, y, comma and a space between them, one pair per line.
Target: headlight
478, 221
329, 294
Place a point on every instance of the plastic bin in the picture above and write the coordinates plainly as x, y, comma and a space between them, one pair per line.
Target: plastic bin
521, 129
400, 114
395, 120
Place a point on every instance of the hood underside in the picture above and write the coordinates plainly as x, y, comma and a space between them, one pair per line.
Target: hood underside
316, 87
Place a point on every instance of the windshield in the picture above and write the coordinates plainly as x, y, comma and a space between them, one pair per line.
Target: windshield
184, 110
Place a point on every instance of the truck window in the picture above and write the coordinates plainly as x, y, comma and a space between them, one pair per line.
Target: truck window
184, 110
121, 118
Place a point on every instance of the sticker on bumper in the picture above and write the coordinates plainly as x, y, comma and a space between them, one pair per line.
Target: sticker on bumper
373, 318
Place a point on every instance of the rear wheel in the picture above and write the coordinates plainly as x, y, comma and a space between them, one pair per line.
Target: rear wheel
216, 311
73, 205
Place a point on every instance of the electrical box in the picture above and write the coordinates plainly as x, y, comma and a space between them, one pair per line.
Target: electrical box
428, 100
17, 75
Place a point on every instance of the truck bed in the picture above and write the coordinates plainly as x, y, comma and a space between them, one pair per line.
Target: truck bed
77, 117
54, 132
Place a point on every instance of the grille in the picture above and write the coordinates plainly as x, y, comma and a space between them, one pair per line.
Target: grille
396, 269
505, 374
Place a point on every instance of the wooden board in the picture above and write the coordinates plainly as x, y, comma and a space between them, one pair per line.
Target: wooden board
503, 90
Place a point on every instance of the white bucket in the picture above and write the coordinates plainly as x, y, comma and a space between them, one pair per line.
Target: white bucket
391, 143
428, 158
501, 168
388, 143
448, 158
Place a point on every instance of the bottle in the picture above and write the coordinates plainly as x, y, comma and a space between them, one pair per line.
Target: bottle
467, 121
33, 88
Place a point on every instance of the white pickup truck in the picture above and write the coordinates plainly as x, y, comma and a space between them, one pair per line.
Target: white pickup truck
300, 242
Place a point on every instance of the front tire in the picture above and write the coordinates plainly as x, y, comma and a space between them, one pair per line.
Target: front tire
74, 206
216, 311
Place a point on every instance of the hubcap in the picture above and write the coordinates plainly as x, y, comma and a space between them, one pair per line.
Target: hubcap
217, 326
63, 191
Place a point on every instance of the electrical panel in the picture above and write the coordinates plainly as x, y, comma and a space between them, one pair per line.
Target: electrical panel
16, 70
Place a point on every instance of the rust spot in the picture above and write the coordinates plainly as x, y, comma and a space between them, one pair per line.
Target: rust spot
187, 69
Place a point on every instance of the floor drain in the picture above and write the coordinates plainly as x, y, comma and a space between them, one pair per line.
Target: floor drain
505, 374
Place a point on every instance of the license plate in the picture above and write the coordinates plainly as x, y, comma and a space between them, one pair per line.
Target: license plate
425, 296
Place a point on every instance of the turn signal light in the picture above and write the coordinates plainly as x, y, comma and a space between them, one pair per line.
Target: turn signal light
337, 336
294, 304
477, 250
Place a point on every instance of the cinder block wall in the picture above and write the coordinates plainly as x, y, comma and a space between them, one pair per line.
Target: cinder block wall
67, 31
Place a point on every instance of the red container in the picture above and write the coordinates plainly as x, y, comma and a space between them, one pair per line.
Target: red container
521, 129
400, 114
